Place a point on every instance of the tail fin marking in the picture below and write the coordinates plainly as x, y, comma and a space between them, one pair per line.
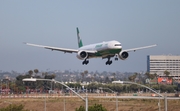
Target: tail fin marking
80, 44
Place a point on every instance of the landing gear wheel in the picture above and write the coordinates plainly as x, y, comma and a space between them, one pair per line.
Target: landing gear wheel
108, 62
85, 62
116, 58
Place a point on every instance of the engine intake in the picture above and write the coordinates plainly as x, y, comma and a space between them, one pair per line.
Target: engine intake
82, 55
123, 55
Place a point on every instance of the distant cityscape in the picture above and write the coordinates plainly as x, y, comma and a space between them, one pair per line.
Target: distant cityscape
162, 74
73, 76
156, 64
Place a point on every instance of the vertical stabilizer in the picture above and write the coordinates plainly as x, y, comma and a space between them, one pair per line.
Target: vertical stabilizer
80, 44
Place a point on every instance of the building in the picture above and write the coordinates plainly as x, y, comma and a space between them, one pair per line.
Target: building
160, 63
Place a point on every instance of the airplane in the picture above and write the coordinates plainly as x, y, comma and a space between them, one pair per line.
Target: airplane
102, 50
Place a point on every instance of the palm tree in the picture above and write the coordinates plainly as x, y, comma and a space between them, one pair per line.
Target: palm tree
155, 75
30, 72
166, 73
150, 76
36, 71
132, 78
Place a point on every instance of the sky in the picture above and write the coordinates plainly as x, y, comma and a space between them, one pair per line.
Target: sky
134, 23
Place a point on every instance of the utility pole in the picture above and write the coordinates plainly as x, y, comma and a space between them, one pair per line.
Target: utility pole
159, 104
86, 100
38, 79
64, 104
45, 103
165, 102
116, 102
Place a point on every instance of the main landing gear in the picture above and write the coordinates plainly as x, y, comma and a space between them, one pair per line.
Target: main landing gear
109, 62
85, 62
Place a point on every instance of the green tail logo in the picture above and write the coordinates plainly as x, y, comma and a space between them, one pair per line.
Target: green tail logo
80, 44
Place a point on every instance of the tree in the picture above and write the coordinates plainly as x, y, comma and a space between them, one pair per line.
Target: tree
19, 83
44, 74
95, 107
132, 78
36, 71
52, 76
73, 85
81, 108
30, 72
82, 74
150, 76
86, 72
166, 73
13, 107
107, 79
93, 77
114, 74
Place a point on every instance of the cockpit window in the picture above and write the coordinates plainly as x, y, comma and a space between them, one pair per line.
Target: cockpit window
117, 45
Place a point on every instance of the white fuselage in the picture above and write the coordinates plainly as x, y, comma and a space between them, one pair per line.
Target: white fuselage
104, 48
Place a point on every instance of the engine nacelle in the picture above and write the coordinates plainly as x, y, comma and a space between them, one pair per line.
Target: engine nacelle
123, 55
82, 55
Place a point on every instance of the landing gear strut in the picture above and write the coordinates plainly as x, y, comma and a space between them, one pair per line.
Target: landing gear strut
109, 62
85, 62
116, 58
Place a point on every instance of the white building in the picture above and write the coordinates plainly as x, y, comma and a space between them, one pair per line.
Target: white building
160, 63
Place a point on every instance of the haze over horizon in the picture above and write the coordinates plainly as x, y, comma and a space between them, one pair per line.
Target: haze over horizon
53, 23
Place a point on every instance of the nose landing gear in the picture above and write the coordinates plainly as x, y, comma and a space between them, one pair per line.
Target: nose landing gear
116, 58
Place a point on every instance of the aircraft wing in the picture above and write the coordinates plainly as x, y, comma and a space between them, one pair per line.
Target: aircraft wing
138, 48
54, 48
65, 50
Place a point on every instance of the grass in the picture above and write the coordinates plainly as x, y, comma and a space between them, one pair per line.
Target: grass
57, 104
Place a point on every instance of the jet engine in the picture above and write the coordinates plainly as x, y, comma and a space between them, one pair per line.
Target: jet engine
123, 55
82, 55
